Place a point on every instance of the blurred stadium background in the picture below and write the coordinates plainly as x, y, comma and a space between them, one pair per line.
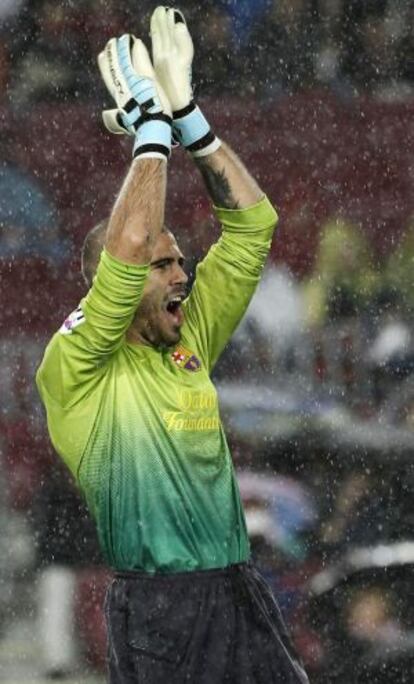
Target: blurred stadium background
317, 388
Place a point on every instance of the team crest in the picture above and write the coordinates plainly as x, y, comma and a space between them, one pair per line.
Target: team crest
73, 320
184, 358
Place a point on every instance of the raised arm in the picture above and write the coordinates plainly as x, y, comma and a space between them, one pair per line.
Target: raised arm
78, 354
227, 180
143, 111
138, 215
227, 277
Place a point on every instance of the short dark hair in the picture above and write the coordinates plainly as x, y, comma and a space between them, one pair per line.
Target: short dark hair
91, 250
92, 247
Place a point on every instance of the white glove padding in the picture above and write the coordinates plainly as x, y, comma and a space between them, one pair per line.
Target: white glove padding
127, 71
172, 54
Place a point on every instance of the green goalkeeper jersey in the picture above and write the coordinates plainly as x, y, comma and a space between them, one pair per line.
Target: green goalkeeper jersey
139, 427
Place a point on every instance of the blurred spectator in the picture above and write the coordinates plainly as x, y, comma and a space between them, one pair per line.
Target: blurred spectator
50, 67
100, 20
393, 342
280, 52
65, 541
10, 14
370, 618
10, 8
328, 47
279, 509
272, 330
364, 509
397, 407
214, 64
370, 45
406, 46
390, 356
398, 273
343, 279
337, 297
362, 610
17, 551
245, 15
54, 48
350, 503
4, 68
29, 224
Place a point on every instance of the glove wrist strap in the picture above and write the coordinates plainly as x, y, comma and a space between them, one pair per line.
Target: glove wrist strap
193, 130
209, 149
153, 137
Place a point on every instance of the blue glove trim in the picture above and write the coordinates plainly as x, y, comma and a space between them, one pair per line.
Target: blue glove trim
191, 128
202, 143
153, 132
130, 118
142, 88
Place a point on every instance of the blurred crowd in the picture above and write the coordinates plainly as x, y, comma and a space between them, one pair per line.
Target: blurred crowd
317, 385
345, 329
258, 48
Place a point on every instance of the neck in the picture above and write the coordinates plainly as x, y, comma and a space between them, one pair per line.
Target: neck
137, 337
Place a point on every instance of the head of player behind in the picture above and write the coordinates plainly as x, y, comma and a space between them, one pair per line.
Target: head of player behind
159, 316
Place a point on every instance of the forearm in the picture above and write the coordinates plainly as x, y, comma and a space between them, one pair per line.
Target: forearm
138, 214
144, 112
227, 180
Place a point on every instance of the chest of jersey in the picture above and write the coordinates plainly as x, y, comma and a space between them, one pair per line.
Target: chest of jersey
171, 390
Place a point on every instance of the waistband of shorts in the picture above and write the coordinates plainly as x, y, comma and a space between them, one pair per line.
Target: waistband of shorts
194, 575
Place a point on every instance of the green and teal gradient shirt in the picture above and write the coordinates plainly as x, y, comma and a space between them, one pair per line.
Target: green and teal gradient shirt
140, 428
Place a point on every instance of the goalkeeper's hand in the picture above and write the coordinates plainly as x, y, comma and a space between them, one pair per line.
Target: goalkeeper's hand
143, 110
172, 53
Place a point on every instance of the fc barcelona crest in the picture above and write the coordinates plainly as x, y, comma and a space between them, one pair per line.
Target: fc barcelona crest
184, 358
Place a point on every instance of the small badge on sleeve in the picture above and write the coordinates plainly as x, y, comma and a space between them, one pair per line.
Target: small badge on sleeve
72, 321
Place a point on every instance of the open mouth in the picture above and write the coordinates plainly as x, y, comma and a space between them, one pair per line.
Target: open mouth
174, 309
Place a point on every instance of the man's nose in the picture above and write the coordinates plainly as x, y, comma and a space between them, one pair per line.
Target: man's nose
180, 276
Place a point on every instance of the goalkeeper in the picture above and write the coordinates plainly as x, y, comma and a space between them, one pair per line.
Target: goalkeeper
130, 405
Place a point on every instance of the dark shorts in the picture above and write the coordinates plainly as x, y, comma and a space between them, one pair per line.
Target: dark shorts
198, 628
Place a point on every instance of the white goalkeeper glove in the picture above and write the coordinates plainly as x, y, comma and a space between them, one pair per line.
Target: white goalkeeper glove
143, 109
172, 54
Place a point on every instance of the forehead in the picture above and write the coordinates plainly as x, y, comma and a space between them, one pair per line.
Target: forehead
166, 246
